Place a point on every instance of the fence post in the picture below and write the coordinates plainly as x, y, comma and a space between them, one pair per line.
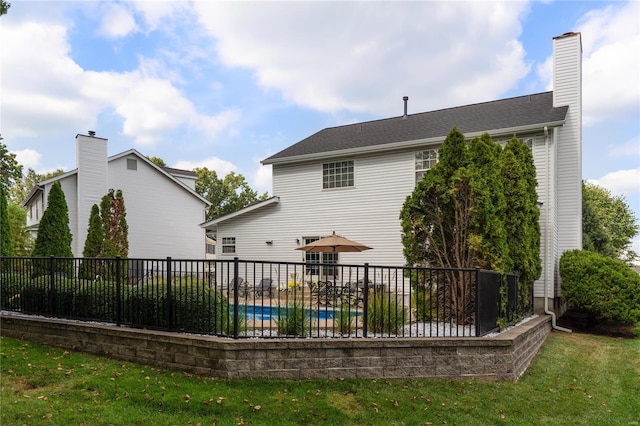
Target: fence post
365, 300
169, 303
235, 297
118, 292
52, 286
478, 307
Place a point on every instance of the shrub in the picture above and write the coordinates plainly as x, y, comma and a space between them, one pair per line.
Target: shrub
11, 285
603, 287
343, 319
194, 306
424, 303
384, 314
296, 321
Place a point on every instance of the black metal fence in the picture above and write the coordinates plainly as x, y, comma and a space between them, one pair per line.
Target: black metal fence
238, 298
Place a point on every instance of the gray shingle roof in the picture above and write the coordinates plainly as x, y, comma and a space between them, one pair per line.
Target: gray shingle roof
509, 113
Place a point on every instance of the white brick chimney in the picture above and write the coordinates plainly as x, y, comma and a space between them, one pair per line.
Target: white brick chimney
91, 161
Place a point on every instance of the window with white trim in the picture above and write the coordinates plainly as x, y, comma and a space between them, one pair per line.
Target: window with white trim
338, 174
228, 245
210, 248
425, 160
317, 257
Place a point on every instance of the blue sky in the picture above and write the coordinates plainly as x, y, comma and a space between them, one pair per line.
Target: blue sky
226, 84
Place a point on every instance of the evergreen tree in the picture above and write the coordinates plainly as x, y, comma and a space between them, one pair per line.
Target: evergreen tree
488, 238
114, 225
522, 217
6, 245
92, 245
54, 236
95, 234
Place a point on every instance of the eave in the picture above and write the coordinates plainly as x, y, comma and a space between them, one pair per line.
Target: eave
411, 144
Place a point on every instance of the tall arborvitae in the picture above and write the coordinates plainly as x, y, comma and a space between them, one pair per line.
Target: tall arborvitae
54, 236
522, 216
437, 217
90, 268
95, 234
114, 225
488, 236
6, 245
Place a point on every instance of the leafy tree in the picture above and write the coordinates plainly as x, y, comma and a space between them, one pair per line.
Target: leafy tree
20, 190
10, 169
22, 241
54, 236
226, 195
4, 7
608, 224
157, 161
6, 246
114, 225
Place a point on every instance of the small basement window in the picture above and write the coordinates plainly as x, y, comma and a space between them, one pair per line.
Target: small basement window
132, 164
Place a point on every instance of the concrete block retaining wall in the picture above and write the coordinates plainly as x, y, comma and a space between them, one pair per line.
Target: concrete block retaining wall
504, 357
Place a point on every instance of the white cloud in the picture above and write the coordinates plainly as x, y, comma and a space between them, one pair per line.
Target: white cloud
29, 158
45, 91
41, 85
621, 182
117, 22
221, 167
364, 56
611, 61
156, 12
631, 148
261, 178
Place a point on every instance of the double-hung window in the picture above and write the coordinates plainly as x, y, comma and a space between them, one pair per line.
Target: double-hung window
338, 174
425, 160
228, 245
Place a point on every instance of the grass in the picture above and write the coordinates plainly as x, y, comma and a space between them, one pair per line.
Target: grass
576, 379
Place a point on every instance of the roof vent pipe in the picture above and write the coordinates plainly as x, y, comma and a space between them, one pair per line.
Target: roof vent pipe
405, 99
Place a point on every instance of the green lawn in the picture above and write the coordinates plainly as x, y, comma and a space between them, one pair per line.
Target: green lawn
577, 379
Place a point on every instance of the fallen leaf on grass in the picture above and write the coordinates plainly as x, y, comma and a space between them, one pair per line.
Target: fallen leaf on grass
257, 408
220, 399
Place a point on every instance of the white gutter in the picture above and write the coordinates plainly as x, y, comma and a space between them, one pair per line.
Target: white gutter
547, 249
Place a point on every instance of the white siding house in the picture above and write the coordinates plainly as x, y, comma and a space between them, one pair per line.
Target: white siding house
163, 209
354, 179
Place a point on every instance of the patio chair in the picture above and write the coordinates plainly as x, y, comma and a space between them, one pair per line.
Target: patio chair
265, 286
230, 288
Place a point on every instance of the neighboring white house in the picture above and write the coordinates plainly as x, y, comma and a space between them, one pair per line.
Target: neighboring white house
163, 209
354, 179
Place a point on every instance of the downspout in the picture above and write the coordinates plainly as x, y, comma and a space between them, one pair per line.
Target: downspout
548, 255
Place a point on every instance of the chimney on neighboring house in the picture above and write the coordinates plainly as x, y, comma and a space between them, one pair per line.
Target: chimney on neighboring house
91, 161
405, 99
567, 90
